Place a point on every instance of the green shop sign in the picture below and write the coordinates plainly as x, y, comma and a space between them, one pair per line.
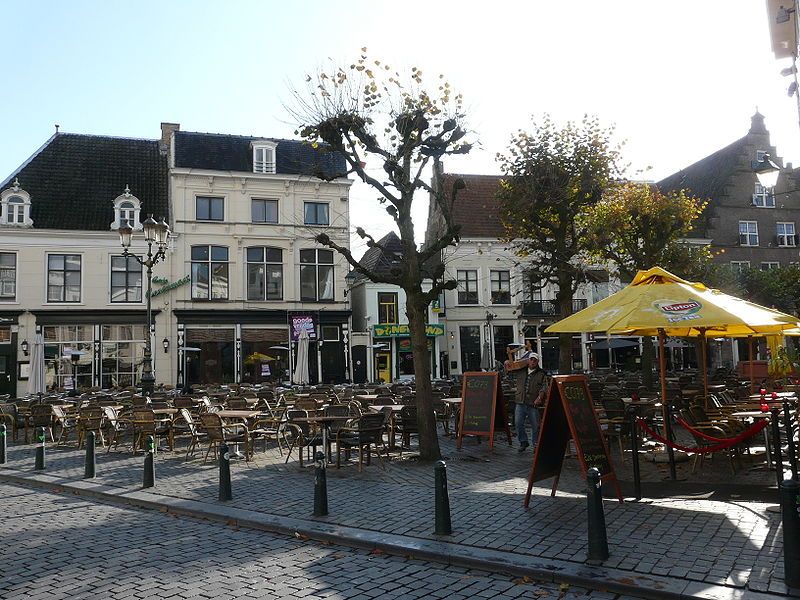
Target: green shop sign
386, 330
168, 286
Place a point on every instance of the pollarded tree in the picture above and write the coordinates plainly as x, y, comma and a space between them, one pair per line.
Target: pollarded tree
550, 176
637, 227
371, 116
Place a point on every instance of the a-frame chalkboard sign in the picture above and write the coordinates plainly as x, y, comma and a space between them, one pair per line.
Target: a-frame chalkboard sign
570, 414
483, 409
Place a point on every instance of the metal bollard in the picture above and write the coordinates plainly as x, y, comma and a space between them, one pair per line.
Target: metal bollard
637, 480
790, 514
320, 486
225, 492
776, 444
442, 501
790, 448
673, 474
3, 444
149, 479
40, 434
598, 542
90, 463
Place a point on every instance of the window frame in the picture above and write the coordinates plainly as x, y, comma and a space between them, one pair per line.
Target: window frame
22, 199
316, 267
210, 262
748, 234
393, 296
766, 265
253, 202
790, 239
210, 218
128, 261
762, 198
317, 204
500, 283
466, 284
267, 166
9, 298
266, 264
64, 271
739, 265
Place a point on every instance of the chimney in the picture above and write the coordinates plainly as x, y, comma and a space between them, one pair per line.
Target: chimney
167, 129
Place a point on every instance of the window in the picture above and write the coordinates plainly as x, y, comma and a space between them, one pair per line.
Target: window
766, 266
60, 341
8, 276
209, 272
264, 211
63, 278
264, 157
210, 209
316, 213
501, 287
387, 307
762, 198
122, 353
126, 209
467, 287
748, 233
126, 279
737, 266
264, 273
760, 154
316, 275
16, 207
786, 235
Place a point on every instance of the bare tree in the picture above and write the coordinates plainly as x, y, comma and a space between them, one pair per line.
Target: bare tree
368, 114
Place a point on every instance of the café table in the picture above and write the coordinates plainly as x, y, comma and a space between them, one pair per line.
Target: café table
325, 421
240, 415
755, 415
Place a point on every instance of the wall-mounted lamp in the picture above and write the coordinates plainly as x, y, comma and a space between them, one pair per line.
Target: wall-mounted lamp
165, 343
24, 346
452, 335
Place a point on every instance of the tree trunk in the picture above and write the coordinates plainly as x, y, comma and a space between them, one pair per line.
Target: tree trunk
564, 339
416, 309
648, 354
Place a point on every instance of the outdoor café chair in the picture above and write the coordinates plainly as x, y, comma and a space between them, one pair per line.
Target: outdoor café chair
114, 427
269, 424
42, 416
145, 424
405, 423
65, 422
218, 432
91, 418
367, 432
14, 419
301, 435
185, 424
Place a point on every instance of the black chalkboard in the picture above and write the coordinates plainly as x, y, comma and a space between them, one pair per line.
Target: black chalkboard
569, 413
478, 398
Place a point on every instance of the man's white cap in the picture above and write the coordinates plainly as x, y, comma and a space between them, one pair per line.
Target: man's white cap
533, 355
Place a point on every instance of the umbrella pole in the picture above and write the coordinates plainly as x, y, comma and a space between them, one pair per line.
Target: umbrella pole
704, 357
750, 358
666, 413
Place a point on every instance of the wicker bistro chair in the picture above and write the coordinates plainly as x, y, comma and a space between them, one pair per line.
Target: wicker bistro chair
367, 432
269, 424
13, 419
42, 416
144, 424
218, 432
91, 419
302, 435
185, 425
406, 425
114, 426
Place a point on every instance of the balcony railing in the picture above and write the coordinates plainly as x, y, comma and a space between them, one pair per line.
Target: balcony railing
549, 308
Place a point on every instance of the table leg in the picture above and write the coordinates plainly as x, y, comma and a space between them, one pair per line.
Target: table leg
325, 443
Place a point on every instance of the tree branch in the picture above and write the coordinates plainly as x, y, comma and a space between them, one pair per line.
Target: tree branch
324, 240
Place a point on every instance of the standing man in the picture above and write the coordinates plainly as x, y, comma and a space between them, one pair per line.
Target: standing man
531, 390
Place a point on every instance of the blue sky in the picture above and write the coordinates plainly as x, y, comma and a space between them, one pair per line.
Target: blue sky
679, 79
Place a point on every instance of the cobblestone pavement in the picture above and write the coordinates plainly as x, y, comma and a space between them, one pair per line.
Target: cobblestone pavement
61, 546
734, 543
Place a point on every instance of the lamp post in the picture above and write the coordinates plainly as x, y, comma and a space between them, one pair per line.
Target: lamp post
154, 233
75, 357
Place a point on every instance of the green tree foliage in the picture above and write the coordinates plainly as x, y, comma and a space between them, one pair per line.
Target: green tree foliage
636, 227
551, 176
777, 288
390, 129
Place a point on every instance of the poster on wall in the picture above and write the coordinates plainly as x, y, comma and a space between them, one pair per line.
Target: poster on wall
299, 322
265, 370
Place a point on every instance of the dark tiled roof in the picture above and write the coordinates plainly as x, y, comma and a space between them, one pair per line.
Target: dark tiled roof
220, 152
476, 208
74, 179
379, 261
707, 177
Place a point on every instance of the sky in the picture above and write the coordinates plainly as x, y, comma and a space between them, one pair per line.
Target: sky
678, 80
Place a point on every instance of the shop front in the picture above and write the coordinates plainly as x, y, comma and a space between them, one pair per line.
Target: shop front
394, 356
10, 369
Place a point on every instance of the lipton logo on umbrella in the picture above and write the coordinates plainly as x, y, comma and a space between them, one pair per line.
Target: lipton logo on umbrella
679, 311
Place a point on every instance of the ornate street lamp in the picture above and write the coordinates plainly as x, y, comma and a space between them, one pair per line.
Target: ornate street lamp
767, 172
155, 233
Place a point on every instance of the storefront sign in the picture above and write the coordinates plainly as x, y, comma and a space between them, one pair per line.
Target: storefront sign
404, 344
169, 286
382, 331
436, 306
299, 322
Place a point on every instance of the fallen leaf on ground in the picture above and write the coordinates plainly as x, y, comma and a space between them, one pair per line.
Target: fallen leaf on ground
522, 580
377, 551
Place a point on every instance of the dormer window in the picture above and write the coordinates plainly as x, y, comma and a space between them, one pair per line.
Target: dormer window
15, 207
127, 208
264, 156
